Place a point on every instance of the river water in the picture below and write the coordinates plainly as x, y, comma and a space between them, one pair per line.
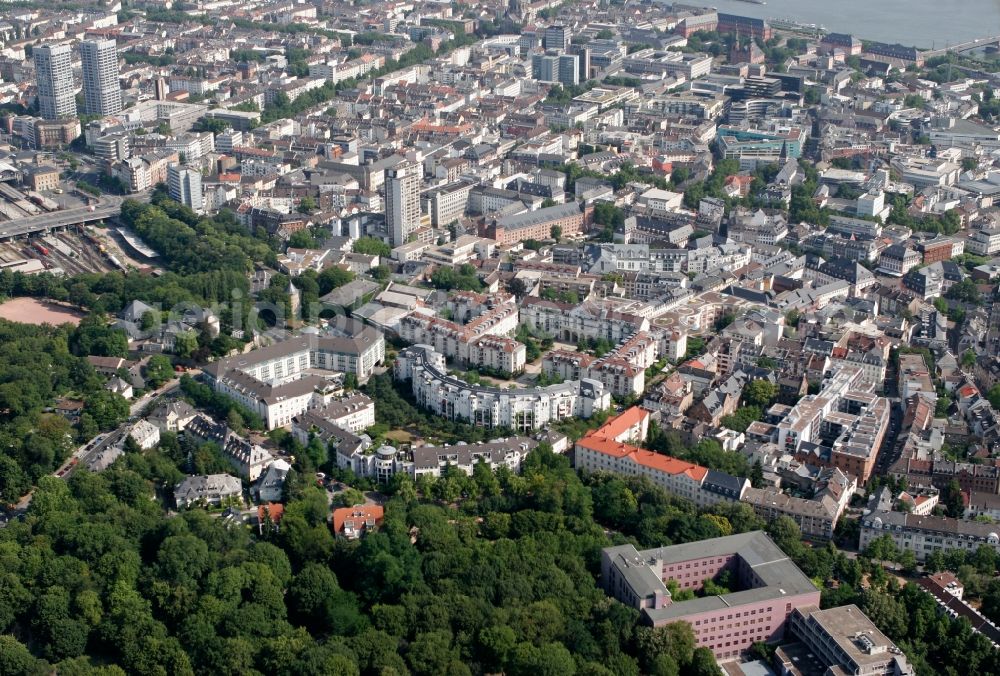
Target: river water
920, 23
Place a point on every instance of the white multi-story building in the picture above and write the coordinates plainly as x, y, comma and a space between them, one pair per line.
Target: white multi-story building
432, 460
277, 381
622, 371
354, 413
402, 201
101, 90
498, 353
448, 203
54, 74
522, 410
226, 141
211, 489
483, 341
925, 534
146, 434
246, 457
673, 344
728, 256
571, 323
192, 145
985, 242
185, 186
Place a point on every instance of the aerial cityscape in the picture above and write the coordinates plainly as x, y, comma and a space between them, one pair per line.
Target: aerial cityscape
553, 338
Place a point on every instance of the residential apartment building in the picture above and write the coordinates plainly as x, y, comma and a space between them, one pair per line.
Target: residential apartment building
432, 460
402, 201
145, 434
354, 413
802, 423
211, 489
279, 382
623, 370
142, 173
54, 74
984, 242
610, 449
185, 186
672, 396
897, 260
354, 522
592, 319
570, 218
816, 518
464, 342
102, 92
447, 203
519, 409
247, 458
925, 534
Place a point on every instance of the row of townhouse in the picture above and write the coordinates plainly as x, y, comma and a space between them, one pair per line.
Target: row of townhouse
357, 453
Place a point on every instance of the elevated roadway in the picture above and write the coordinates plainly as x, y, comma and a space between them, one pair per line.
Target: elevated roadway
108, 207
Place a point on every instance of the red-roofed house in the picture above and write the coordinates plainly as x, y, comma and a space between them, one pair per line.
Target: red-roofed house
271, 512
353, 522
632, 426
737, 186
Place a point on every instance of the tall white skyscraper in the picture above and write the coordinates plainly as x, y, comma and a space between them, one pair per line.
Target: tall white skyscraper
185, 186
54, 73
101, 89
402, 201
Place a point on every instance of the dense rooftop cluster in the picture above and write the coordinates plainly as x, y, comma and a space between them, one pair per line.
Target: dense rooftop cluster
513, 306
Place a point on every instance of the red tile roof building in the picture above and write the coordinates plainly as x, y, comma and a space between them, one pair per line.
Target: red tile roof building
606, 449
353, 522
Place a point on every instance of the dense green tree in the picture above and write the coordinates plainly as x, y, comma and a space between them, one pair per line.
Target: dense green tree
951, 499
704, 664
307, 205
94, 336
333, 278
463, 278
761, 393
107, 409
371, 246
742, 418
158, 370
302, 239
16, 660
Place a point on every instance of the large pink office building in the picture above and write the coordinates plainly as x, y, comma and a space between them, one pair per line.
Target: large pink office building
767, 587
